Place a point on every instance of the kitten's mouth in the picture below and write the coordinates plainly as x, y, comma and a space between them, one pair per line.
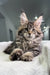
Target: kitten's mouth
29, 38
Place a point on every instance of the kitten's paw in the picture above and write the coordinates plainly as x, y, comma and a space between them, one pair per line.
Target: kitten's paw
16, 53
28, 56
36, 52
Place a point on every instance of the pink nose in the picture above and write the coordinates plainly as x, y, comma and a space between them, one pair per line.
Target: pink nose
30, 32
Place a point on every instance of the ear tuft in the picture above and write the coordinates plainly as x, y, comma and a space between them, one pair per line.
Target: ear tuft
38, 22
23, 19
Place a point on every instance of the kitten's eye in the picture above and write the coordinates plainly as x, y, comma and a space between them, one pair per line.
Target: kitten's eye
30, 25
33, 29
26, 29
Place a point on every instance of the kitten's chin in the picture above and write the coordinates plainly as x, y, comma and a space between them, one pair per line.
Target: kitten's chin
32, 37
29, 39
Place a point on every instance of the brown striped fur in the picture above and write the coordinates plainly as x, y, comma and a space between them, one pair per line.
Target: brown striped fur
27, 43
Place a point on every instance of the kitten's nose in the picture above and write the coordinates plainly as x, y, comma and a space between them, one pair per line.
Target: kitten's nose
29, 33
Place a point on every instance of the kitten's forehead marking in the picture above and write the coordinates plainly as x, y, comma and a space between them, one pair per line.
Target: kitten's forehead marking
30, 23
26, 26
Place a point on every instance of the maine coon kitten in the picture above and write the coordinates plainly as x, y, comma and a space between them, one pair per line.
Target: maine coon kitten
27, 43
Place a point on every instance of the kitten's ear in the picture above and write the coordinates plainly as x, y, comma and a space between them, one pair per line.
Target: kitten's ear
38, 22
23, 19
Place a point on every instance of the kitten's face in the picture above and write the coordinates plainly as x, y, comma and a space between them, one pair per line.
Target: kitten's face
29, 29
29, 32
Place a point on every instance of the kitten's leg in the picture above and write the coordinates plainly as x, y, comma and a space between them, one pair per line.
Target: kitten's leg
10, 48
16, 53
28, 56
36, 51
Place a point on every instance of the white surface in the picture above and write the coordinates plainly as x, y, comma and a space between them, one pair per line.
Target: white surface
47, 44
8, 67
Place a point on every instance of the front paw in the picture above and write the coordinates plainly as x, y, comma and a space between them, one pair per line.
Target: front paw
28, 56
16, 53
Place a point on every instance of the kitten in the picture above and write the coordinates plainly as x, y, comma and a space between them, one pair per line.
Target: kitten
27, 43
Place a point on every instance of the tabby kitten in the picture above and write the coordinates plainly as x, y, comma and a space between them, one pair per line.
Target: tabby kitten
27, 43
